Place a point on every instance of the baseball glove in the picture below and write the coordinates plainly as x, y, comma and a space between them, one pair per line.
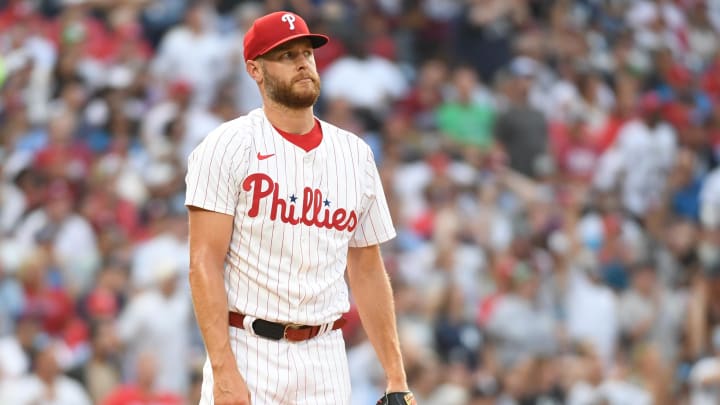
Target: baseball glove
397, 398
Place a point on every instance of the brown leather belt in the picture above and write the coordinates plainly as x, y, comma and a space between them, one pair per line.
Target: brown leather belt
276, 331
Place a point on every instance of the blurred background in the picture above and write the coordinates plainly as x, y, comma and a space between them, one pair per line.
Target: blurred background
551, 168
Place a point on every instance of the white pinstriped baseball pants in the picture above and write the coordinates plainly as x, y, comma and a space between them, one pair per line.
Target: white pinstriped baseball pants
313, 372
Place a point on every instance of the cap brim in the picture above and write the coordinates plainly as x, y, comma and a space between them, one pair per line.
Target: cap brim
317, 40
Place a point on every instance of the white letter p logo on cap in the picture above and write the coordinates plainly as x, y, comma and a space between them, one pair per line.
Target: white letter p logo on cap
290, 19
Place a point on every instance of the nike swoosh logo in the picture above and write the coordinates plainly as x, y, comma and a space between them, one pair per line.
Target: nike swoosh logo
260, 156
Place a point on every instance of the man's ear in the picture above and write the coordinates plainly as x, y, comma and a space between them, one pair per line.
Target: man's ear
254, 70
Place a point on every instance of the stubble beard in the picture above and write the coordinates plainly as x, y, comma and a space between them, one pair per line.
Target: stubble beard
284, 94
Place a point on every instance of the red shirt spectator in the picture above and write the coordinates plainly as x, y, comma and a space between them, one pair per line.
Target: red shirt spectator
574, 150
53, 305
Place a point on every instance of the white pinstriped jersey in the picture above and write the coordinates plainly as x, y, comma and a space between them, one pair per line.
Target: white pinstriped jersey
295, 215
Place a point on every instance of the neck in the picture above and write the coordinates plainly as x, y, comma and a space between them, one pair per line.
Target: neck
294, 121
47, 379
146, 387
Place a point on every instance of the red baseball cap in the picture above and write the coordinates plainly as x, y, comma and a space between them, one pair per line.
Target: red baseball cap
274, 29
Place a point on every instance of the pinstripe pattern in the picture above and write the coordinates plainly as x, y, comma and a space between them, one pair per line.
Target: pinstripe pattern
283, 271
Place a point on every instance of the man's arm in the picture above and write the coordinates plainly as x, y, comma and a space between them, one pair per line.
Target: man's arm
210, 234
371, 290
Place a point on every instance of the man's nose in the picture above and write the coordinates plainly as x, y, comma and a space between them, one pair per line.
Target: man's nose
303, 63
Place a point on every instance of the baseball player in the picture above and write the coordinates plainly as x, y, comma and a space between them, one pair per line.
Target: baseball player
281, 204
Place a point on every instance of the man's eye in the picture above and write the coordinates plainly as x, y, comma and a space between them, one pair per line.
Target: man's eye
287, 55
307, 53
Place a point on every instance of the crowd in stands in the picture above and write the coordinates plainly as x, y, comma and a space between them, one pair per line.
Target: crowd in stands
551, 167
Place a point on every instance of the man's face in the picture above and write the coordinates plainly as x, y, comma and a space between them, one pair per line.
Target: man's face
289, 75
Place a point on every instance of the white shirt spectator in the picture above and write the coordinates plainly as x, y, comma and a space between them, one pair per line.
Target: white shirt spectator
160, 324
369, 83
31, 390
156, 252
643, 156
592, 315
41, 53
667, 312
200, 58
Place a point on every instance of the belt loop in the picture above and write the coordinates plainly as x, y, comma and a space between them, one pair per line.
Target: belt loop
248, 324
324, 328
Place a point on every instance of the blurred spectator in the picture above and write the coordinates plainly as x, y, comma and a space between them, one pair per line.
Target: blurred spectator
46, 383
640, 159
144, 389
651, 314
192, 51
69, 235
43, 296
591, 308
465, 120
63, 157
157, 320
165, 245
521, 129
520, 328
366, 81
421, 101
573, 149
101, 373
